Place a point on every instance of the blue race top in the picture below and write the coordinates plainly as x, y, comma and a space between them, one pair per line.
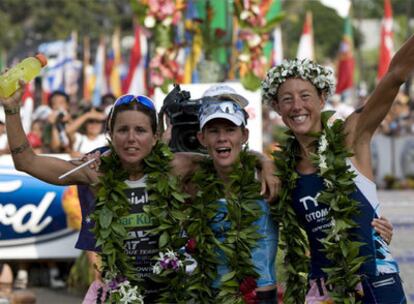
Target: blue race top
263, 255
314, 219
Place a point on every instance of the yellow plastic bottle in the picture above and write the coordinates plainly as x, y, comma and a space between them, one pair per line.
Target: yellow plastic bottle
27, 69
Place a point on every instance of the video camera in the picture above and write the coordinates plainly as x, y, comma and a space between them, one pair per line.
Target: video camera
183, 115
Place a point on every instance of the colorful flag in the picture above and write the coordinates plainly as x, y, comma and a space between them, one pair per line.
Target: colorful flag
62, 71
87, 70
135, 82
386, 44
53, 72
193, 50
305, 47
72, 66
273, 49
219, 29
99, 87
114, 77
346, 61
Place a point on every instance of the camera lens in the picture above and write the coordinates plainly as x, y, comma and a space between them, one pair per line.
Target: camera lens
184, 139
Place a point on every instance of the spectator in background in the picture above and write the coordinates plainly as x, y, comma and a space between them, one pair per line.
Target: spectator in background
107, 102
395, 123
92, 136
35, 135
342, 109
56, 139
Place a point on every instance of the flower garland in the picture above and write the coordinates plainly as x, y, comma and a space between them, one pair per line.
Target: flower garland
241, 195
160, 17
254, 33
321, 77
338, 245
112, 205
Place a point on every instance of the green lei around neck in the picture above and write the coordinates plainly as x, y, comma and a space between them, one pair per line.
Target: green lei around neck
241, 194
112, 205
339, 248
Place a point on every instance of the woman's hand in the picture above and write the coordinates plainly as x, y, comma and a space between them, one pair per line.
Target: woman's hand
384, 228
12, 103
270, 182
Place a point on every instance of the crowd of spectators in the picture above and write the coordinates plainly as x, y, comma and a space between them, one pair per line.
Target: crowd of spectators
398, 122
62, 126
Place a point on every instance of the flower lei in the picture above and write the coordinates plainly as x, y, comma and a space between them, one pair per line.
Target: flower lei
160, 17
112, 205
321, 77
338, 246
241, 194
254, 33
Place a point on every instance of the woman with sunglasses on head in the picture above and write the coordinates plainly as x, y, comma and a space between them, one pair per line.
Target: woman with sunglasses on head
127, 177
227, 188
328, 189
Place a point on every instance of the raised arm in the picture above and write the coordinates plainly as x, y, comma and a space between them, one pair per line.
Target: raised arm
44, 168
361, 125
379, 102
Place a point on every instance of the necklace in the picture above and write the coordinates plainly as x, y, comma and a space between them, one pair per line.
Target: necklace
339, 248
241, 195
112, 205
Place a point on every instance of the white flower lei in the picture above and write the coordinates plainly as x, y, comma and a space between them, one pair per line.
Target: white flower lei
321, 77
323, 145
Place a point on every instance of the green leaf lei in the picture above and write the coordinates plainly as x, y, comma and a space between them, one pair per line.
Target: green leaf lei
338, 245
241, 194
112, 205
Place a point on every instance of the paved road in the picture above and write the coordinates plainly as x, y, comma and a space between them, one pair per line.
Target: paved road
397, 206
55, 296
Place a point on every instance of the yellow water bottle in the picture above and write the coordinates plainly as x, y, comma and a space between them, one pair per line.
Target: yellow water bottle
26, 70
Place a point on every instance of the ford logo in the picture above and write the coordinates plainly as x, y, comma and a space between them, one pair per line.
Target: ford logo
32, 211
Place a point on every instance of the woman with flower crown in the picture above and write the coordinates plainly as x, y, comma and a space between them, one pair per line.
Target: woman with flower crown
328, 189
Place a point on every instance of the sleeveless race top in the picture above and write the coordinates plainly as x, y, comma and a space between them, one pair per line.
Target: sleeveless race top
263, 255
314, 219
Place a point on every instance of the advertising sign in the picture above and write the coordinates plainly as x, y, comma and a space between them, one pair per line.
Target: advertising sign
37, 220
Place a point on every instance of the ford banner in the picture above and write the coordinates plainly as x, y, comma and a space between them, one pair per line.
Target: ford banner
37, 220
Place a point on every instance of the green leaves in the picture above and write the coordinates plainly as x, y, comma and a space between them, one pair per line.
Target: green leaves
338, 245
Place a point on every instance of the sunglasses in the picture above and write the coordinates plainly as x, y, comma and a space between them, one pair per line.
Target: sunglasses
210, 108
129, 98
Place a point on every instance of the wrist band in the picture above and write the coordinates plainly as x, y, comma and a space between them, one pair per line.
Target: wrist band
12, 111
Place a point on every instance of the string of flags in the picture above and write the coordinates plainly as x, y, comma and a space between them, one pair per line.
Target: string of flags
190, 41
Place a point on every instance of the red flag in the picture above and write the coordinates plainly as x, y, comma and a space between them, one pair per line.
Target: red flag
346, 61
305, 48
387, 45
135, 81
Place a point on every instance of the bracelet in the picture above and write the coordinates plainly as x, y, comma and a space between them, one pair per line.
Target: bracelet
12, 111
20, 148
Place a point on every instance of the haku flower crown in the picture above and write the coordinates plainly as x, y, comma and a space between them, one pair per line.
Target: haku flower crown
321, 77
